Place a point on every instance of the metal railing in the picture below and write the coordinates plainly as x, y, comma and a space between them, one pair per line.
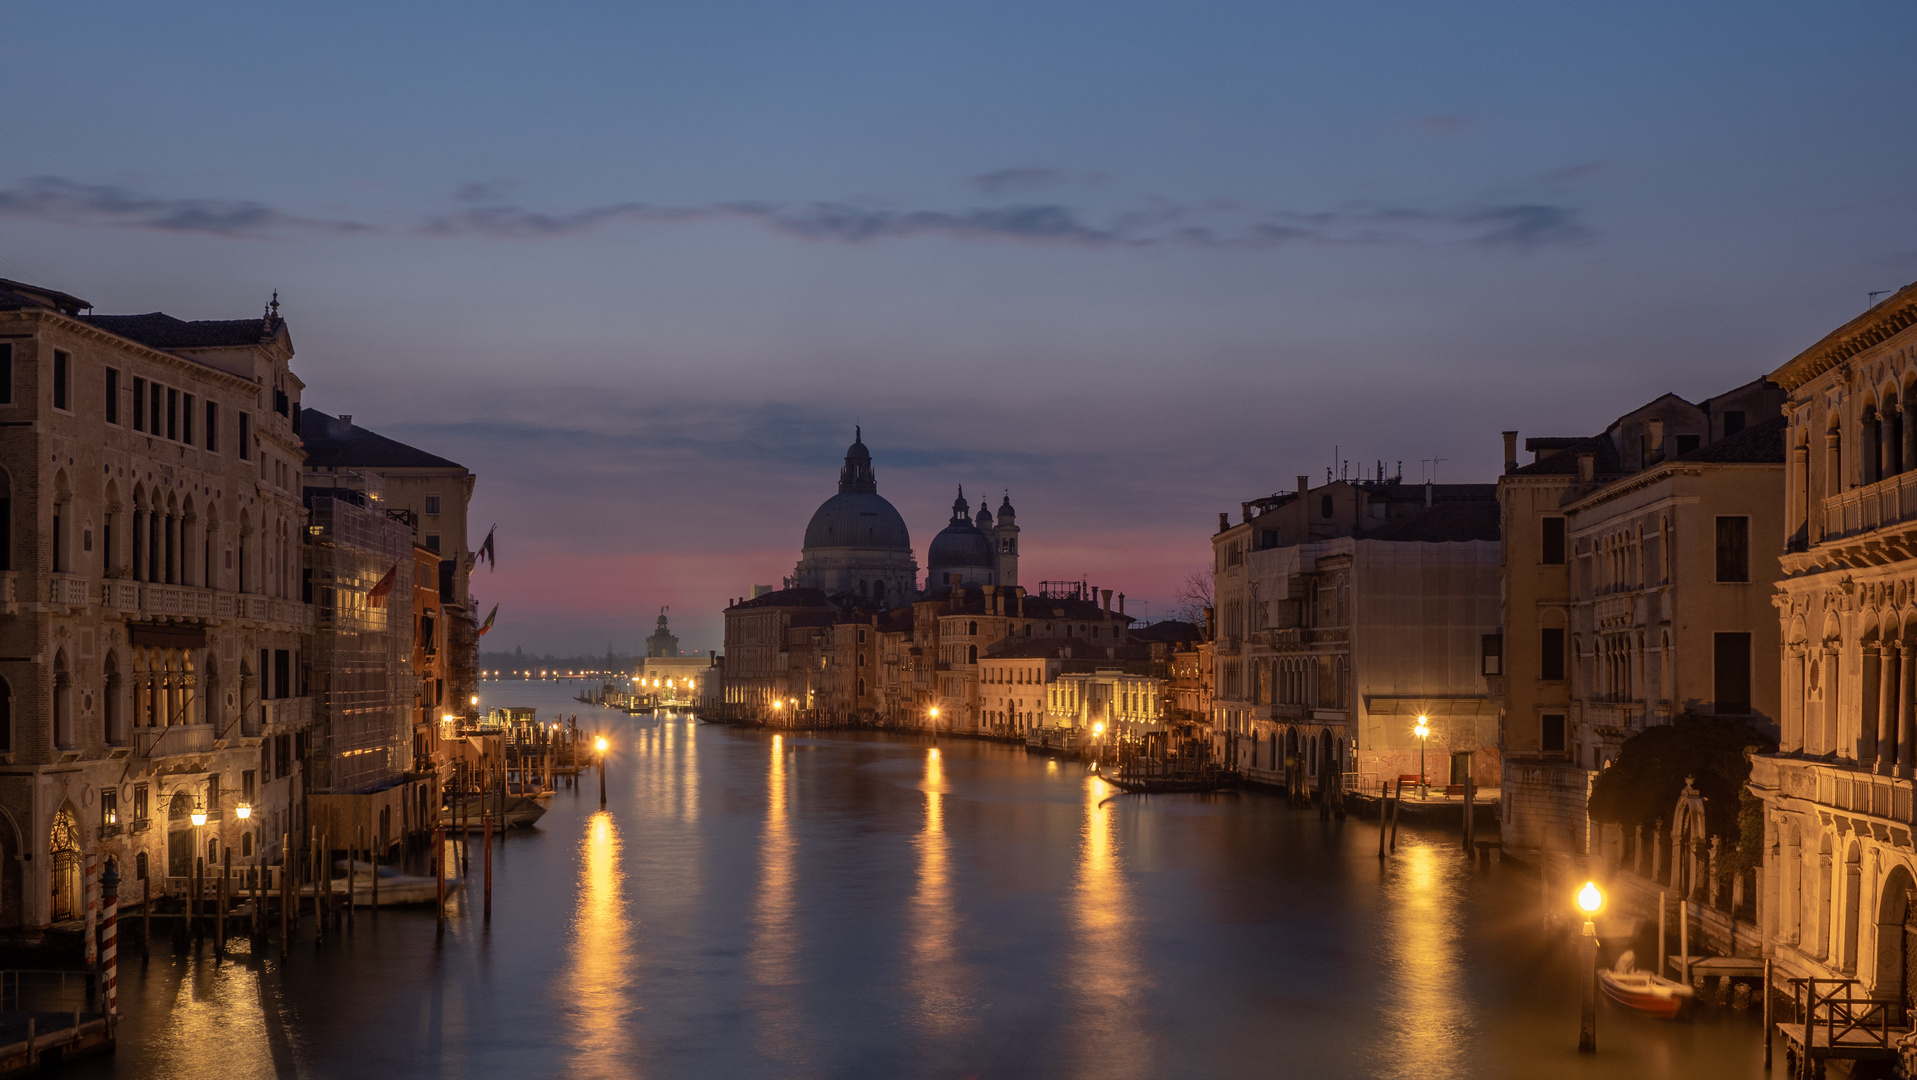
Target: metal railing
27, 990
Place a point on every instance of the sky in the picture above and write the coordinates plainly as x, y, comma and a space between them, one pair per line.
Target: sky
643, 266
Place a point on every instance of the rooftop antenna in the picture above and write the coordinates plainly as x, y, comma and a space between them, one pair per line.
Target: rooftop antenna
1434, 468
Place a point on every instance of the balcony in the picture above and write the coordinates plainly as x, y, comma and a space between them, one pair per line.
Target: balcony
1886, 502
154, 742
120, 596
176, 601
68, 589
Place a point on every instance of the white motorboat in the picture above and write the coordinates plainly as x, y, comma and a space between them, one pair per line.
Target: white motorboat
395, 888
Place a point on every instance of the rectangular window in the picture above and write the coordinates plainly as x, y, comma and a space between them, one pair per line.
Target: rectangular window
186, 419
296, 418
432, 504
282, 673
109, 806
1733, 549
1552, 545
249, 787
1687, 443
6, 373
212, 425
153, 399
280, 403
172, 413
140, 803
1733, 673
213, 795
112, 395
246, 436
1551, 733
1491, 652
1733, 422
432, 541
1551, 654
139, 403
61, 362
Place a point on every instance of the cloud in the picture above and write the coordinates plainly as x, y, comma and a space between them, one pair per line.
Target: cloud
1573, 173
1444, 126
1526, 226
1003, 181
68, 202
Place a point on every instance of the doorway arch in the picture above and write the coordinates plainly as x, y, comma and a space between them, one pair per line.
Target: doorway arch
179, 836
63, 850
1895, 955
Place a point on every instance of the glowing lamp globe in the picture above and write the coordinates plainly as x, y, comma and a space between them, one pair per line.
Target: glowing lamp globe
199, 818
1590, 899
1424, 729
601, 744
243, 811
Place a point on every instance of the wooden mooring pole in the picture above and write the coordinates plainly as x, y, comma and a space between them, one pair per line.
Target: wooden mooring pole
439, 872
146, 915
226, 876
1384, 808
489, 868
1395, 803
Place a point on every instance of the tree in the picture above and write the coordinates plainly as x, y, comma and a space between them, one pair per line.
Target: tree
1643, 784
1194, 599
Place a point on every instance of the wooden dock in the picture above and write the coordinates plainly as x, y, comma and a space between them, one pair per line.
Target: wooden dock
31, 1041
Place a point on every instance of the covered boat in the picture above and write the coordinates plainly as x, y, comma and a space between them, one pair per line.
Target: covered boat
1651, 994
394, 886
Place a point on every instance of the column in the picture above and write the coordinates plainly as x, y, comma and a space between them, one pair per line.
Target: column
1907, 712
1832, 696
1796, 705
1887, 710
1869, 701
139, 544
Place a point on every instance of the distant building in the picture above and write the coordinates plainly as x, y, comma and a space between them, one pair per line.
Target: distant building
1637, 586
1346, 611
661, 642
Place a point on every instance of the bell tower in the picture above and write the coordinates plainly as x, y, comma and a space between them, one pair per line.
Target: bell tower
1005, 540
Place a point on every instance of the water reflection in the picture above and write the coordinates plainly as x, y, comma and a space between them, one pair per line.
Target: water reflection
1423, 1026
1107, 983
774, 955
207, 1008
601, 972
932, 931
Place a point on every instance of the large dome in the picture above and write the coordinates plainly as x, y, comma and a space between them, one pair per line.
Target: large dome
858, 519
959, 546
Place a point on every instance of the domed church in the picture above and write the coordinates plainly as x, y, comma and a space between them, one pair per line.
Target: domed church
857, 542
974, 551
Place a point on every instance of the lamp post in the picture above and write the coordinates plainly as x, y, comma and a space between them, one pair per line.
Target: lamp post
933, 712
1590, 899
244, 811
601, 745
1424, 735
1098, 744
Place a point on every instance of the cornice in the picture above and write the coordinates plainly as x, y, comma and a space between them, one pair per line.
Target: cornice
1872, 328
91, 332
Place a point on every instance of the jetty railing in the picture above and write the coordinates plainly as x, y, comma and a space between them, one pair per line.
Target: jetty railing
27, 990
1829, 1004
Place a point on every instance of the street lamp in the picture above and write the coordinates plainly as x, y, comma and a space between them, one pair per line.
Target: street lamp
1098, 744
1424, 735
1590, 899
601, 744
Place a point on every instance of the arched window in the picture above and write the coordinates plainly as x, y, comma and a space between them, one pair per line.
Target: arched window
63, 845
139, 866
971, 654
971, 628
6, 716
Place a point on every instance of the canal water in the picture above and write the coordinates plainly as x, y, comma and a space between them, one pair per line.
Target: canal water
752, 905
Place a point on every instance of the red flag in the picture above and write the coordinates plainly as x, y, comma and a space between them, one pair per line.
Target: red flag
377, 597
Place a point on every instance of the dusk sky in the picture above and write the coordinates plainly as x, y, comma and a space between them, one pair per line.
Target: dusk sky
642, 267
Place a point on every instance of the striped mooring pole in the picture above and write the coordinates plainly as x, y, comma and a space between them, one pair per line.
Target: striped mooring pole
90, 898
110, 941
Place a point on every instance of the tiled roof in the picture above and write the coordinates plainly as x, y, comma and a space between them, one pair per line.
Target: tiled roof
787, 598
16, 295
1565, 461
1443, 523
331, 443
1761, 444
163, 331
1175, 631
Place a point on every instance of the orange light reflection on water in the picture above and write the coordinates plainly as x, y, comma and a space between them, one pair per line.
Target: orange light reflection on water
600, 972
773, 959
1421, 1028
932, 930
1107, 982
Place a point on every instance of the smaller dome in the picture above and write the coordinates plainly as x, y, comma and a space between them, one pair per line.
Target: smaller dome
1005, 508
984, 519
959, 547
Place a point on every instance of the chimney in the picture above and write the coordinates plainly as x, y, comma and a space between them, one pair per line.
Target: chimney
1304, 486
1428, 485
1105, 597
1224, 521
1587, 467
1510, 451
1121, 603
1245, 509
1654, 446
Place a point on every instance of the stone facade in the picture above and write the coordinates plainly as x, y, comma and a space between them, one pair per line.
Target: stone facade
1343, 613
1839, 865
1636, 583
152, 639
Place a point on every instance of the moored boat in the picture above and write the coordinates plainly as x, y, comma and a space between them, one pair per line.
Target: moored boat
395, 888
1650, 994
1156, 783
